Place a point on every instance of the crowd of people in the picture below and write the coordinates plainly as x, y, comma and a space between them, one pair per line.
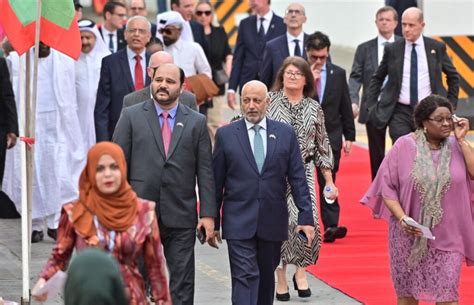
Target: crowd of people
130, 136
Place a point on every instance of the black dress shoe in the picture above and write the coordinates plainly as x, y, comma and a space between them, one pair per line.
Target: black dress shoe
341, 232
333, 233
36, 236
302, 293
284, 297
53, 233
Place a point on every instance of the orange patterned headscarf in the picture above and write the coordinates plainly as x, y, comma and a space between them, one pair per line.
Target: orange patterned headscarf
115, 211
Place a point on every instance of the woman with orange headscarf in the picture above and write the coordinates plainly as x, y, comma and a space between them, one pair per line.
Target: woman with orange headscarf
110, 216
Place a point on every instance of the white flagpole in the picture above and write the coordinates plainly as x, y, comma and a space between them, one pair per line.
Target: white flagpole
30, 133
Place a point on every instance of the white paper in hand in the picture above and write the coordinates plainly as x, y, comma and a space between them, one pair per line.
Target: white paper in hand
425, 230
54, 285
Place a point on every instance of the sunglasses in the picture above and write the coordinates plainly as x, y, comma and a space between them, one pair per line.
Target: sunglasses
166, 31
200, 13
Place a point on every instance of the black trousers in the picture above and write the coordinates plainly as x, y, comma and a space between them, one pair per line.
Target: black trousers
252, 266
401, 122
3, 152
376, 139
178, 246
329, 212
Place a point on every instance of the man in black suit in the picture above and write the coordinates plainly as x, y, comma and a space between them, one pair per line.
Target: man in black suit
333, 95
413, 66
290, 44
366, 60
254, 32
192, 30
8, 115
120, 74
115, 13
168, 150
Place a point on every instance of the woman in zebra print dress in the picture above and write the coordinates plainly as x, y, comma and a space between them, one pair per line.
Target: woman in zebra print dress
291, 103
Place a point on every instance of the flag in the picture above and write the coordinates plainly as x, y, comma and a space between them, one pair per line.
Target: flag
58, 29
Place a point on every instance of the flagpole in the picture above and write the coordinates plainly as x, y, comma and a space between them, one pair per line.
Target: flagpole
30, 133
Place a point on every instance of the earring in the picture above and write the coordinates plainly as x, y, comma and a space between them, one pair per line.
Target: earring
425, 130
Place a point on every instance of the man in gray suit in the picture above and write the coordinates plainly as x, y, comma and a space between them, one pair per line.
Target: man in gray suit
366, 60
167, 148
158, 58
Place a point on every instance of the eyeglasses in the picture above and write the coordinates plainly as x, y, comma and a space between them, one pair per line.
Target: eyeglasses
200, 13
441, 120
140, 31
137, 9
120, 15
295, 74
314, 58
167, 31
296, 12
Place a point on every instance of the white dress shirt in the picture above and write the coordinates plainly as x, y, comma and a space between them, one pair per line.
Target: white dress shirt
292, 44
132, 62
106, 37
190, 57
262, 132
381, 45
424, 85
266, 23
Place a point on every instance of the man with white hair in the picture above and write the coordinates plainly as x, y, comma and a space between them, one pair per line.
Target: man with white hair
87, 77
120, 74
187, 55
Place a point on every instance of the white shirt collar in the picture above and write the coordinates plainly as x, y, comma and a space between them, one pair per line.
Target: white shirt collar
268, 16
381, 40
300, 38
262, 123
419, 42
106, 32
131, 54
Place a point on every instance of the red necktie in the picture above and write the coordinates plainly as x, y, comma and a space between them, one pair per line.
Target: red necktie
138, 73
318, 88
166, 132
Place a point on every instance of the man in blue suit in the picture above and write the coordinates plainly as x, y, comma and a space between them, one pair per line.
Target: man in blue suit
254, 32
253, 159
121, 73
289, 44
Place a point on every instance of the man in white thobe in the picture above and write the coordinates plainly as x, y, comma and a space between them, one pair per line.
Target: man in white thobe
87, 77
59, 147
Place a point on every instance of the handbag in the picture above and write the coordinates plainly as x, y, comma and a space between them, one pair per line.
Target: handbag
220, 77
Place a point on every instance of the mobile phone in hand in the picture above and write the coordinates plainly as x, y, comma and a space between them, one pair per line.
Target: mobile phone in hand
201, 235
302, 235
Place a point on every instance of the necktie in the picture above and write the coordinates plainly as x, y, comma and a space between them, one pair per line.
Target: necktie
261, 30
297, 48
258, 152
413, 77
166, 132
318, 89
111, 42
138, 73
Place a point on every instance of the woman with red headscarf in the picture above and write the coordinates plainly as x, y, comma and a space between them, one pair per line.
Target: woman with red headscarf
110, 216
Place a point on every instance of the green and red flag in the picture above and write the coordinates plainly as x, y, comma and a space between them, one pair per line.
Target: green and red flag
58, 28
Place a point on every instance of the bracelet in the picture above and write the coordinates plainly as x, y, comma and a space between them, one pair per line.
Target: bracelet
402, 219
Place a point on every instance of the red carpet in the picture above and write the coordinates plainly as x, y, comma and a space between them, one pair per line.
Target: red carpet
358, 265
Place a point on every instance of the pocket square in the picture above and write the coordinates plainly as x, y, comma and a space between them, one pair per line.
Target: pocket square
272, 136
179, 124
433, 51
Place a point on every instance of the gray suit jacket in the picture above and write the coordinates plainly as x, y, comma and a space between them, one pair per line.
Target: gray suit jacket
392, 62
186, 98
364, 66
169, 181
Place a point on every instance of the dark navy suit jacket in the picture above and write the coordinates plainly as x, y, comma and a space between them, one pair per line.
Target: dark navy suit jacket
115, 82
248, 52
276, 51
253, 203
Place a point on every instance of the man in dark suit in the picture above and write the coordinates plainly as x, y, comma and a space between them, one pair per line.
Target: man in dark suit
8, 115
158, 58
167, 148
333, 95
413, 66
120, 74
192, 30
115, 13
366, 60
253, 160
254, 32
290, 44
138, 8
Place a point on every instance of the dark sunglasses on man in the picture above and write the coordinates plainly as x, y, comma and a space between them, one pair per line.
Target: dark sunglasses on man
200, 13
166, 31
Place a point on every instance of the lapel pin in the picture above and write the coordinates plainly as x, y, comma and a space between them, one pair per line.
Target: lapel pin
272, 26
332, 71
433, 51
272, 136
179, 124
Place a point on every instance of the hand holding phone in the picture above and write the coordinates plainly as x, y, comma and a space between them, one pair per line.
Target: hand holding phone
201, 235
302, 235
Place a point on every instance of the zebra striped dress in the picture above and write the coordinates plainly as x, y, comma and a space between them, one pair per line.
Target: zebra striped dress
307, 119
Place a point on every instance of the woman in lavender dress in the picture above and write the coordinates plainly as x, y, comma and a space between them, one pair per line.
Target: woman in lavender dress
427, 176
